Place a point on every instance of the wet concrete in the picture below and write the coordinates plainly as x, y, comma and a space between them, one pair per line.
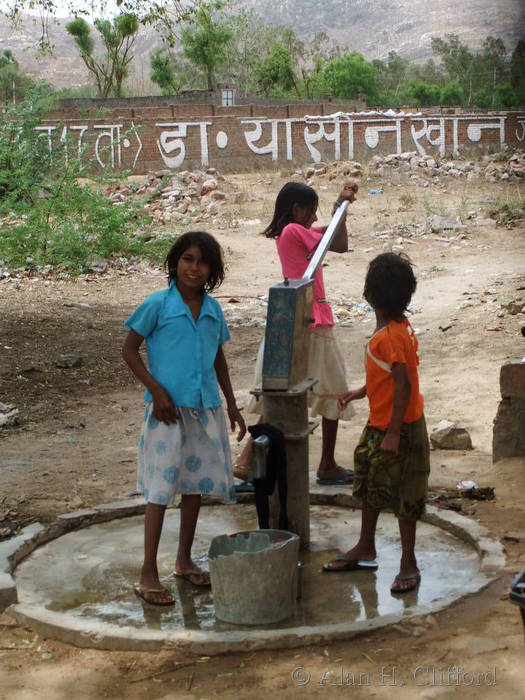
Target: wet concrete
89, 575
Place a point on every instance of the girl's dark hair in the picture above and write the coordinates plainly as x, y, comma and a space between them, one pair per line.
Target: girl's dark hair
390, 284
211, 253
290, 194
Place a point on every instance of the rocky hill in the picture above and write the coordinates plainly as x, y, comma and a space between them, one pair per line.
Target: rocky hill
376, 27
372, 27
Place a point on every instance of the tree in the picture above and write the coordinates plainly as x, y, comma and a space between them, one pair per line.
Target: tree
392, 74
429, 72
349, 76
322, 50
164, 15
164, 72
276, 71
118, 38
451, 94
13, 84
473, 71
286, 66
249, 42
517, 71
459, 63
8, 73
204, 43
493, 59
424, 94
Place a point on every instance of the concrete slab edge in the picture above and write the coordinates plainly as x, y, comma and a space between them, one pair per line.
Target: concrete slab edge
86, 633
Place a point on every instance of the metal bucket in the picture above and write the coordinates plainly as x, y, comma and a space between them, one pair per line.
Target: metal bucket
254, 576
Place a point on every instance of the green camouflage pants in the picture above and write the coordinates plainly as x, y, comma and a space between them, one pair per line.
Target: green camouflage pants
383, 480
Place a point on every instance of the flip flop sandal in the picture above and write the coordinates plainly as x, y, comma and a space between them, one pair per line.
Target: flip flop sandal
145, 595
345, 478
350, 565
413, 580
191, 577
244, 487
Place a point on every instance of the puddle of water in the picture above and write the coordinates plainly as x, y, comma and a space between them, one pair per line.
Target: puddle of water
91, 573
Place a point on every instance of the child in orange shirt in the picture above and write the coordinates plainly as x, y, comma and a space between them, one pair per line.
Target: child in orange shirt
391, 461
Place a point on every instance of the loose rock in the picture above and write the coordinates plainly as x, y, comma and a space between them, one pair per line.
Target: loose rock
446, 436
68, 361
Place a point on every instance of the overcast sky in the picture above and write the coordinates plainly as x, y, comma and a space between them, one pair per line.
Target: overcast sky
64, 5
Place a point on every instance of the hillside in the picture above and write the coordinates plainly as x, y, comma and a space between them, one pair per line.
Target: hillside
372, 28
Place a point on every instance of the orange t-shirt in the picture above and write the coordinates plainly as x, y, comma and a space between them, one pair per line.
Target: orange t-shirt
395, 343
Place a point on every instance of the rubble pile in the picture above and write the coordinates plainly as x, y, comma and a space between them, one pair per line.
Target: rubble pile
422, 168
178, 196
492, 167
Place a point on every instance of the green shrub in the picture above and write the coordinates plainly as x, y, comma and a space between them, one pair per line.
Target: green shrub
424, 94
506, 96
451, 94
484, 98
48, 216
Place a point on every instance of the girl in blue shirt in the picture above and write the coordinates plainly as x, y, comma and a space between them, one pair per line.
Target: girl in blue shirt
184, 447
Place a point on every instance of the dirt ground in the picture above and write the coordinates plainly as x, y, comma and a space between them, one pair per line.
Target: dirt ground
76, 442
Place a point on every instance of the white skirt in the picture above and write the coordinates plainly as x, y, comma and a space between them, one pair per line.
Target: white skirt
191, 456
326, 364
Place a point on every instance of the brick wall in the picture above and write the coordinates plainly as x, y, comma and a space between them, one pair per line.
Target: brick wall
247, 137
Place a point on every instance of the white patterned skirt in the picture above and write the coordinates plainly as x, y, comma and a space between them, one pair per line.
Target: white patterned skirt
191, 456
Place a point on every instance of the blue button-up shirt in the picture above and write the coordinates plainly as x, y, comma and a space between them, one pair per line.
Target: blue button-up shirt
181, 352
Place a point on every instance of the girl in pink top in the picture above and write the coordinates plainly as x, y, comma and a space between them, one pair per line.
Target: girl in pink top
296, 239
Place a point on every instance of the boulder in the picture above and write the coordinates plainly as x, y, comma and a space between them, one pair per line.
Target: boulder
68, 361
515, 307
440, 223
447, 436
209, 185
97, 264
8, 415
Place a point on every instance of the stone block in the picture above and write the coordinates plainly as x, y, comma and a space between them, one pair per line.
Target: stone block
508, 436
447, 436
512, 379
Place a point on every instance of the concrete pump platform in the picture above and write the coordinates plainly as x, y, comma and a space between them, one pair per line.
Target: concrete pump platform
78, 586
